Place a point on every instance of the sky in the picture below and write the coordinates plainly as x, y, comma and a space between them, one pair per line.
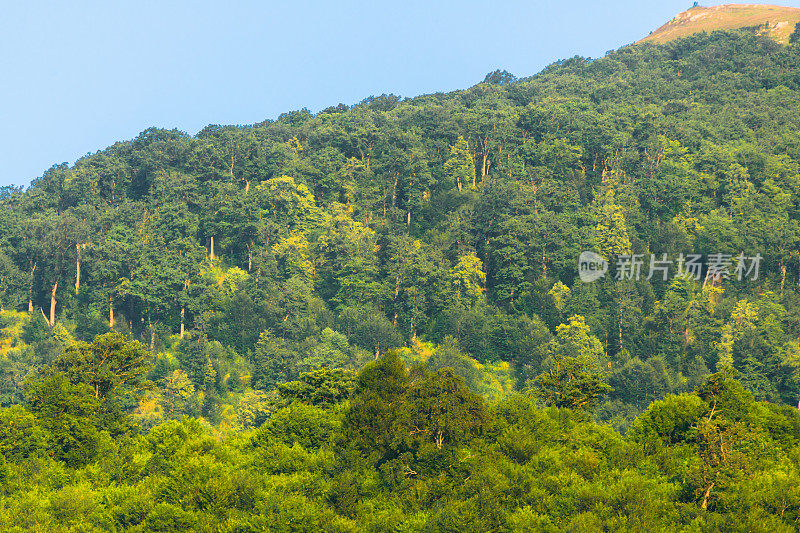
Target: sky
75, 77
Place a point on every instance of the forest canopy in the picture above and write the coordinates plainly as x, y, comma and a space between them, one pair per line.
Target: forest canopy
372, 318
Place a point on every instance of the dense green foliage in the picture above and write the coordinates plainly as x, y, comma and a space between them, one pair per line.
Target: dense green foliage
371, 318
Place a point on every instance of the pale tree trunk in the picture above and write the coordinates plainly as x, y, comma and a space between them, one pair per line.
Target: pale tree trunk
408, 223
394, 190
783, 277
30, 294
485, 159
249, 258
186, 284
152, 336
212, 249
111, 321
706, 494
77, 268
53, 305
246, 186
78, 248
396, 294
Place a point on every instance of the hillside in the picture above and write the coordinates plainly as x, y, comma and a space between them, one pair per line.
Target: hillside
374, 318
776, 22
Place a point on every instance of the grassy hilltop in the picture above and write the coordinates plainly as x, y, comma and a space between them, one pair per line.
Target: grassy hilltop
777, 22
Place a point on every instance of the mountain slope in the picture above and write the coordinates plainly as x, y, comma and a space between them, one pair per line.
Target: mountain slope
777, 22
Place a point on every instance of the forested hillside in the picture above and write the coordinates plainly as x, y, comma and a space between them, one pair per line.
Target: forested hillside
371, 318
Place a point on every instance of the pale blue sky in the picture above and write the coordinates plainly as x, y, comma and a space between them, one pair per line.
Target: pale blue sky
77, 76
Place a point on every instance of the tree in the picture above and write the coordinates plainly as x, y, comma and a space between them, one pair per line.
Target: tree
574, 377
499, 77
69, 413
370, 329
192, 355
109, 365
469, 279
273, 361
322, 387
21, 434
611, 231
178, 395
721, 433
373, 424
442, 411
795, 36
448, 355
572, 382
460, 167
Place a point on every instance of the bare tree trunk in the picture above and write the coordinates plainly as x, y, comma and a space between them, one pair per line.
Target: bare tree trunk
77, 268
394, 189
212, 249
246, 186
53, 305
485, 149
183, 314
111, 321
30, 294
706, 494
783, 277
249, 258
408, 223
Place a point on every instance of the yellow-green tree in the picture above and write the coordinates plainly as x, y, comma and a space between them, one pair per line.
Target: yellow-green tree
460, 166
469, 278
574, 375
294, 257
611, 231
